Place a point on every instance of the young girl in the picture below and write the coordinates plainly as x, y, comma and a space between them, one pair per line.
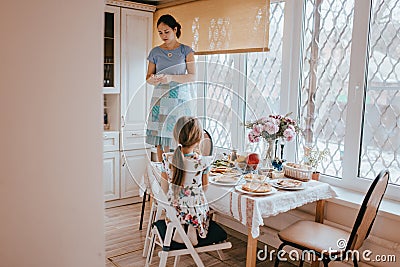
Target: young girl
188, 175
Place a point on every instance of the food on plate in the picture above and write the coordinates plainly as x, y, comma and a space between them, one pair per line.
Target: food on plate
221, 169
223, 163
289, 183
255, 177
256, 187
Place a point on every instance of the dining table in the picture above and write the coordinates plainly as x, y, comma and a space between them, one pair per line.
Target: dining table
251, 209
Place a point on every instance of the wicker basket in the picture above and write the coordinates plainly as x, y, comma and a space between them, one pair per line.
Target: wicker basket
297, 171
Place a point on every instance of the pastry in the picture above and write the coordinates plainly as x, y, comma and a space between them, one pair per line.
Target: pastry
256, 187
255, 177
221, 169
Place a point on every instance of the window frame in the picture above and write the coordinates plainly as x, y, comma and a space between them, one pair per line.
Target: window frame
355, 109
291, 88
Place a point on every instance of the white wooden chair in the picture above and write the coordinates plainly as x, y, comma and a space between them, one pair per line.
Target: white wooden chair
155, 212
161, 233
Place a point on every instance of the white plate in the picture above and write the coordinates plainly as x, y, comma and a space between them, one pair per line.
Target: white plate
239, 188
212, 180
258, 178
274, 183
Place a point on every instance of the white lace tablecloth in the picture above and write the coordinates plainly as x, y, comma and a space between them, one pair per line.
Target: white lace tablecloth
250, 210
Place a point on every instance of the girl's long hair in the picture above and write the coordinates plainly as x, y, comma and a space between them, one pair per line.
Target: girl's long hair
187, 132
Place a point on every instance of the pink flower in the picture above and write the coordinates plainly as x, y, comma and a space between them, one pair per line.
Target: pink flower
253, 138
271, 126
257, 129
289, 134
187, 193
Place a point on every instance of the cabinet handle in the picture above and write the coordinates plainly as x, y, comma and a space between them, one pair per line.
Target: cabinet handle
123, 121
138, 134
105, 136
123, 161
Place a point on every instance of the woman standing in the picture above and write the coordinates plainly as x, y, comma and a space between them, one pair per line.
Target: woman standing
171, 66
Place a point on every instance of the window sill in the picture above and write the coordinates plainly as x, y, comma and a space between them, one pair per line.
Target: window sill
389, 208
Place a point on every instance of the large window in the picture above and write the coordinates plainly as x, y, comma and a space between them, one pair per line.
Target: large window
335, 64
380, 147
325, 78
350, 84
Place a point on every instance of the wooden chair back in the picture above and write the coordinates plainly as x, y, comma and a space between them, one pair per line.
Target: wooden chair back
206, 146
368, 211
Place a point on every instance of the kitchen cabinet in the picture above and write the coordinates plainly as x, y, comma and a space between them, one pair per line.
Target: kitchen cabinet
126, 99
133, 164
111, 175
136, 44
111, 81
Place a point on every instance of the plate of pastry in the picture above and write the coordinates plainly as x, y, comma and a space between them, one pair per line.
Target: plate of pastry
217, 171
288, 184
258, 189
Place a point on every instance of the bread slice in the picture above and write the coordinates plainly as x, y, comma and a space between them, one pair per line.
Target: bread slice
256, 187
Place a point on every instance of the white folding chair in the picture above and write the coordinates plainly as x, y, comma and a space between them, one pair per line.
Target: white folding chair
161, 233
155, 210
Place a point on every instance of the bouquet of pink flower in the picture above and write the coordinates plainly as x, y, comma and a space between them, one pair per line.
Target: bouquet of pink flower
273, 127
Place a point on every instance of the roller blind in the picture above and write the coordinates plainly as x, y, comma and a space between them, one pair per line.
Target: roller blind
221, 26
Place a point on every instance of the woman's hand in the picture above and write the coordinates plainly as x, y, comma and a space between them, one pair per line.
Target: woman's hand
153, 79
165, 78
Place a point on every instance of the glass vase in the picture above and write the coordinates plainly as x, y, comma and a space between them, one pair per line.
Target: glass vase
269, 153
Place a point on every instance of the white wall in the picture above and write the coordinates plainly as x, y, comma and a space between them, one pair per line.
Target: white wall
51, 120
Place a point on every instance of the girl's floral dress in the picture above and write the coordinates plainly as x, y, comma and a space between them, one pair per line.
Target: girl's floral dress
189, 199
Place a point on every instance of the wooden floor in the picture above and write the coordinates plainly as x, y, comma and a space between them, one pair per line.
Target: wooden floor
124, 243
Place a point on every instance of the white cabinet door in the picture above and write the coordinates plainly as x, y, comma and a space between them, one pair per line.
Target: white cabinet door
133, 166
111, 82
136, 36
111, 171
